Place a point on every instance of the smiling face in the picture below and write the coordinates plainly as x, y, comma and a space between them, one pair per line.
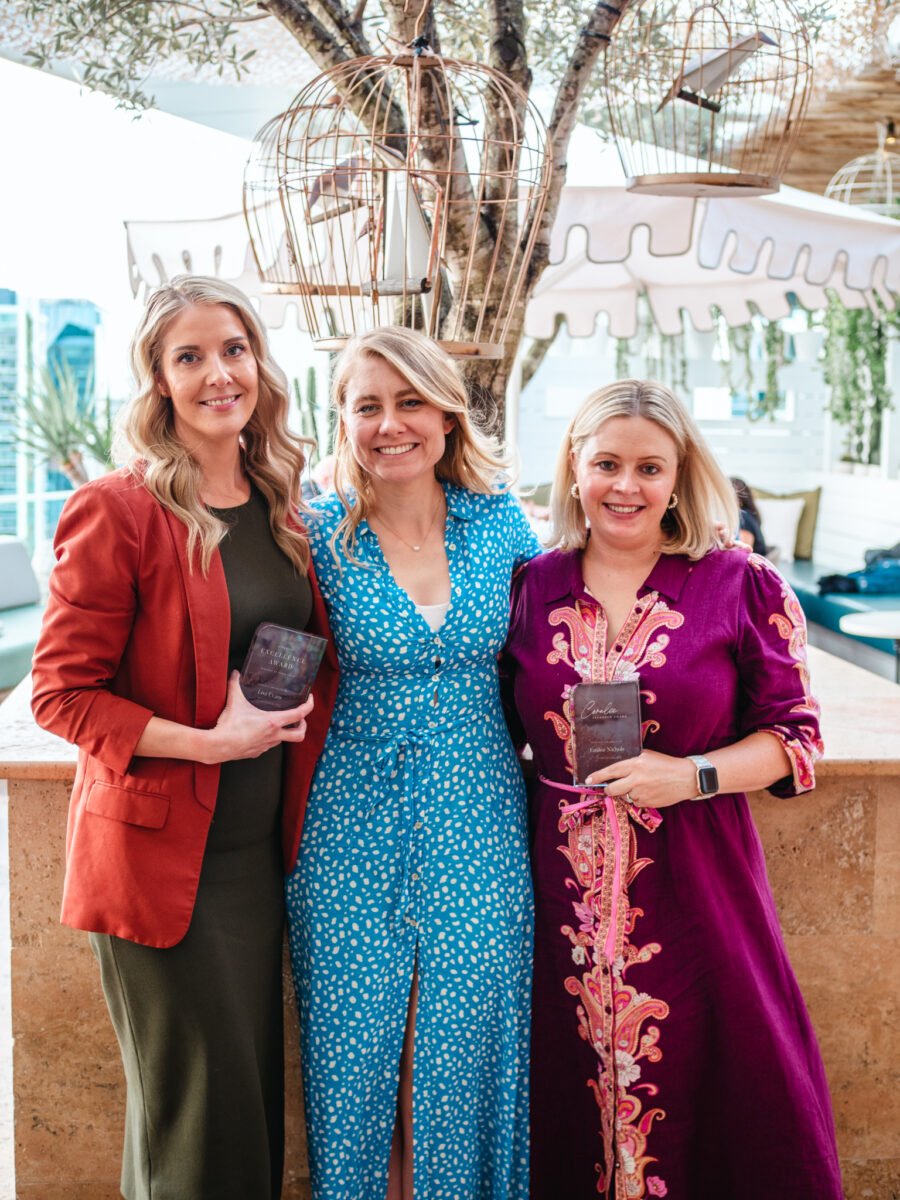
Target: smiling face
626, 474
208, 370
395, 434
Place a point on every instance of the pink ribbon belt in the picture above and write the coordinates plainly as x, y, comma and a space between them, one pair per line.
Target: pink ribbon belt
596, 795
595, 792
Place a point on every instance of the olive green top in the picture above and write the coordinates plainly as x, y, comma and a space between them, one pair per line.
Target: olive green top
263, 585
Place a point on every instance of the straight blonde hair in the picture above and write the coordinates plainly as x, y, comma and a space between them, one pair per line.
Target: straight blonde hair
146, 442
471, 458
705, 497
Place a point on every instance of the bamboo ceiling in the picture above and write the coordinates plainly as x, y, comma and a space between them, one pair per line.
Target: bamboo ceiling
840, 125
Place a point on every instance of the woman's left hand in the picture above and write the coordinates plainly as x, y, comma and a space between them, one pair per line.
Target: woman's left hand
652, 780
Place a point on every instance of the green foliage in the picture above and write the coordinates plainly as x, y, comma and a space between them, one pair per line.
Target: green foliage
740, 340
60, 424
98, 431
309, 416
740, 343
117, 43
767, 403
855, 359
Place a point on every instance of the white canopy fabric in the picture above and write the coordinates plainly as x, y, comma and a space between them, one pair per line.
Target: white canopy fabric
610, 246
219, 246
692, 255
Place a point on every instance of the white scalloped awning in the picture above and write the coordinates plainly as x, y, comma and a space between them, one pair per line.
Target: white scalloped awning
691, 255
609, 246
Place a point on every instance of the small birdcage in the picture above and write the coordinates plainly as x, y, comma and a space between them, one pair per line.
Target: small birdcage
401, 190
871, 181
707, 99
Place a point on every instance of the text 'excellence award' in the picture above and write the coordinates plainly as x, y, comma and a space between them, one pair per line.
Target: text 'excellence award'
280, 666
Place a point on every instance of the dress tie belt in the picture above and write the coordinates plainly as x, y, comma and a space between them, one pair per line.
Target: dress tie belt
401, 753
612, 882
594, 793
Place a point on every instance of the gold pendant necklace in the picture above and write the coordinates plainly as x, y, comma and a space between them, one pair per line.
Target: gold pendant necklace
400, 536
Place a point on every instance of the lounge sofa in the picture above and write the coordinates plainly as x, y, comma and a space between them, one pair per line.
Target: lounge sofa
21, 610
803, 574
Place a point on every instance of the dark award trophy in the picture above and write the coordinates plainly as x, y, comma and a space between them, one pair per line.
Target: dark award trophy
606, 724
280, 666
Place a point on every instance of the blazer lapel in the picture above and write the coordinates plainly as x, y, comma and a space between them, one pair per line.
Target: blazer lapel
210, 617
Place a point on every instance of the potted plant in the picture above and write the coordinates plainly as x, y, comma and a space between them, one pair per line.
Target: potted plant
61, 423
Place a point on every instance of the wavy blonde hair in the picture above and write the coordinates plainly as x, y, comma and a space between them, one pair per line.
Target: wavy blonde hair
471, 458
705, 496
146, 442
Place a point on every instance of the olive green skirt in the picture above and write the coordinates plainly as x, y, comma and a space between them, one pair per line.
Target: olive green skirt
200, 1027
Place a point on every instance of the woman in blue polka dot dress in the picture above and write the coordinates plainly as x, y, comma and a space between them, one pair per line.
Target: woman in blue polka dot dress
410, 906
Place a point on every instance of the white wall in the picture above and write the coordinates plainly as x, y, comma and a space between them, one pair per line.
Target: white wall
855, 514
797, 451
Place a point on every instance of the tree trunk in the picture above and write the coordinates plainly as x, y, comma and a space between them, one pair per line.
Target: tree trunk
487, 379
73, 469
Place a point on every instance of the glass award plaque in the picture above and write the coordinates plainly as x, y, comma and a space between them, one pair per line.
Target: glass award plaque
280, 666
606, 724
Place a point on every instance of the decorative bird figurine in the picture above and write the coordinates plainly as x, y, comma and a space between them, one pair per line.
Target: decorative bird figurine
710, 69
337, 184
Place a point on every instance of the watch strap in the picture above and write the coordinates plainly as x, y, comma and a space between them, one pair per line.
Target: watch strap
707, 776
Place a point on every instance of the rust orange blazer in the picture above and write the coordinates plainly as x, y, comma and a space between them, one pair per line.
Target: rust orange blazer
131, 633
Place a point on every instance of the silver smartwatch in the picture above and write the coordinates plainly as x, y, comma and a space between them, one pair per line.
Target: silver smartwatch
707, 776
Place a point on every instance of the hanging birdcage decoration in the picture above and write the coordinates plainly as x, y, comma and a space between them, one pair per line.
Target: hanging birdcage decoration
707, 99
263, 210
409, 192
870, 181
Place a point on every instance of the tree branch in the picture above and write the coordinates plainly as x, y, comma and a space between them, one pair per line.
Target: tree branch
308, 31
537, 352
508, 52
211, 20
348, 26
592, 40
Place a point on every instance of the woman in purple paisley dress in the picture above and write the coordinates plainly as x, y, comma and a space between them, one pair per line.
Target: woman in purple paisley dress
672, 1054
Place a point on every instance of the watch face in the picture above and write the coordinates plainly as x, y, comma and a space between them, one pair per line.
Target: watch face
708, 779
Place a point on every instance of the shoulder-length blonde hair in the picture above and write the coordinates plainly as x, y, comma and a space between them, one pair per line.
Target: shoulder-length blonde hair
705, 496
471, 459
273, 457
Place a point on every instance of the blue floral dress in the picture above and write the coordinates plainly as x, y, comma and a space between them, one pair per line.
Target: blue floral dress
414, 852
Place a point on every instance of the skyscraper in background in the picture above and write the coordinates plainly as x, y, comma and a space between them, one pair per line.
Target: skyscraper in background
10, 367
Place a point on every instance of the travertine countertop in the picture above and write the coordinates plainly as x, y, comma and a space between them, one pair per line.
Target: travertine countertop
860, 726
26, 750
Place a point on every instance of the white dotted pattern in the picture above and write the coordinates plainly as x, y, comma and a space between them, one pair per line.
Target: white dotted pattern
414, 851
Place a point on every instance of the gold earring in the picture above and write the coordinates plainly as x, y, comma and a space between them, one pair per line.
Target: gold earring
673, 503
573, 490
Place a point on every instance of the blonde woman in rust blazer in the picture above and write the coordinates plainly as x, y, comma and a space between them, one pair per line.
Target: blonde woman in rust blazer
188, 802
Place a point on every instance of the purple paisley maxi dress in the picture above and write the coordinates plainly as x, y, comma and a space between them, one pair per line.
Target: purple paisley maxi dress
672, 1054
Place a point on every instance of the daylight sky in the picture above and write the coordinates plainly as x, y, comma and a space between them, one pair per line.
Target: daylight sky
73, 167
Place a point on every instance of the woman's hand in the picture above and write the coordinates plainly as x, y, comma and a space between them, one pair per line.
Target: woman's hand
729, 542
243, 731
652, 780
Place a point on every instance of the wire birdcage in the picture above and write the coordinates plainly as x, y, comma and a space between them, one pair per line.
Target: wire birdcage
870, 181
401, 190
707, 99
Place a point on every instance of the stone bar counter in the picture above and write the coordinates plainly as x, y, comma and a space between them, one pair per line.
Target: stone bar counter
834, 862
